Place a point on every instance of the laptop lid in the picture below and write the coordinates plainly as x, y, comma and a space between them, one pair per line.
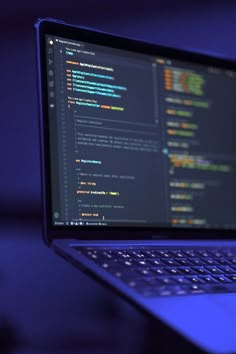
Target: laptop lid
137, 140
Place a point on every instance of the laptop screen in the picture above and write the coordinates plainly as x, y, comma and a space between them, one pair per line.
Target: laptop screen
139, 140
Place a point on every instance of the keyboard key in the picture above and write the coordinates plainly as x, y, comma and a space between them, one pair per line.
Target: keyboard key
105, 265
107, 255
195, 280
203, 253
196, 289
141, 262
189, 253
144, 271
197, 261
149, 254
226, 269
173, 271
159, 271
182, 280
216, 253
232, 260
136, 254
177, 253
228, 253
183, 262
210, 261
200, 270
156, 262
125, 255
119, 254
214, 270
187, 270
223, 261
170, 262
168, 280
222, 279
208, 279
93, 255
163, 254
137, 284
128, 263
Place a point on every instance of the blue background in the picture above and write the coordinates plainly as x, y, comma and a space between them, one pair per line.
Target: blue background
204, 25
46, 305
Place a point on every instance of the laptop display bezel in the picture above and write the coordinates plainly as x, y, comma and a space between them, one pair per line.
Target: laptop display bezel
57, 28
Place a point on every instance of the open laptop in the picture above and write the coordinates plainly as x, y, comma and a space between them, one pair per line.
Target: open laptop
138, 152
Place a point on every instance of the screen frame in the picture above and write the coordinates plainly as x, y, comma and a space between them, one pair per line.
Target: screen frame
44, 27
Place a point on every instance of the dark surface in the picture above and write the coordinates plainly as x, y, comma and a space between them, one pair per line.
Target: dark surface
48, 306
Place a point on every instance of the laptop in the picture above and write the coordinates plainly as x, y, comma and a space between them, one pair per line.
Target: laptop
138, 160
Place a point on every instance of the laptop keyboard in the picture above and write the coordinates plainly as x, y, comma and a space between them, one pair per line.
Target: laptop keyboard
155, 271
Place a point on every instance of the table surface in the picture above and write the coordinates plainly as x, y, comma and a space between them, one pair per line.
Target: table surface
48, 306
